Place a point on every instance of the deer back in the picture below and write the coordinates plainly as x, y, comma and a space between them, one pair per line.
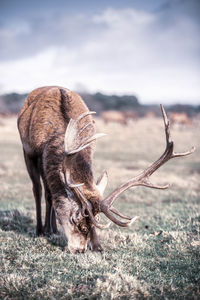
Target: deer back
46, 111
42, 123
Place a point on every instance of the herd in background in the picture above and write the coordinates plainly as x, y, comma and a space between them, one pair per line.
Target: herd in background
113, 108
124, 117
180, 119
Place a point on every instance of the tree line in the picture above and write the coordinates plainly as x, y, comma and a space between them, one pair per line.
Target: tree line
11, 104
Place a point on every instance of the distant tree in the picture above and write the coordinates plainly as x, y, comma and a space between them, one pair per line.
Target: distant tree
11, 103
116, 102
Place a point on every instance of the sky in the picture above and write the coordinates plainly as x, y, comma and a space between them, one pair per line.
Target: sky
149, 48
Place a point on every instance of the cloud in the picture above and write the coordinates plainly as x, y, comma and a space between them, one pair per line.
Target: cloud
27, 37
115, 51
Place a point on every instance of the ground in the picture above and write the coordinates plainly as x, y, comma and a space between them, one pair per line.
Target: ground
156, 258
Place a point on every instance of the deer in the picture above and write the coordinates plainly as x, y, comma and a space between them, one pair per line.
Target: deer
114, 116
58, 136
180, 118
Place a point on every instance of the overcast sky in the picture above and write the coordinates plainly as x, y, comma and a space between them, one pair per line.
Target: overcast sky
150, 48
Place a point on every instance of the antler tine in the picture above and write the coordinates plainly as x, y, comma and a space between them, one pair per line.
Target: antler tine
84, 127
143, 178
84, 115
110, 216
115, 211
167, 132
167, 125
184, 153
74, 143
154, 186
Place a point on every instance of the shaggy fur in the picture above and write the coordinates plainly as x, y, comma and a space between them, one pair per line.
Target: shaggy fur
42, 123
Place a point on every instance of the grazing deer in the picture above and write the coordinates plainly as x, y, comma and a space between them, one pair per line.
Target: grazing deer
114, 116
131, 115
180, 118
58, 134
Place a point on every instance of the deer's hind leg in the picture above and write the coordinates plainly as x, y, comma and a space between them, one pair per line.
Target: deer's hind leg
33, 168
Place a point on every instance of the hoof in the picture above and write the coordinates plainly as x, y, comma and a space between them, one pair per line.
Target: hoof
48, 232
39, 232
96, 247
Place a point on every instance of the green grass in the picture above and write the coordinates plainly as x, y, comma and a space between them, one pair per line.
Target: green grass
156, 258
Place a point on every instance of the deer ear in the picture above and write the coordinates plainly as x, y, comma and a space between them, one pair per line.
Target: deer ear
102, 182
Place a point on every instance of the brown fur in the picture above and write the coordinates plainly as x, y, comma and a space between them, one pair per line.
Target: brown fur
42, 123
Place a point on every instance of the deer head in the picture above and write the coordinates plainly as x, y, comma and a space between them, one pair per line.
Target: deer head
86, 198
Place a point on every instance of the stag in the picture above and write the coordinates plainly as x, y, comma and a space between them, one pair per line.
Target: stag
58, 137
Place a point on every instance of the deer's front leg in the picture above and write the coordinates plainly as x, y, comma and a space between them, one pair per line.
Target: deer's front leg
94, 241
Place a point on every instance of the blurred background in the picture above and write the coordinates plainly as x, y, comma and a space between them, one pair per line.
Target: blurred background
119, 54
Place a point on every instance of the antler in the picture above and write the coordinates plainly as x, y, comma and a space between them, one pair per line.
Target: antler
142, 179
74, 143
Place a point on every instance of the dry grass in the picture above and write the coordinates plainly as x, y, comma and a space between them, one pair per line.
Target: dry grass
157, 258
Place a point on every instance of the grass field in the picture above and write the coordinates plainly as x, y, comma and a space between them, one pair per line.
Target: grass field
158, 257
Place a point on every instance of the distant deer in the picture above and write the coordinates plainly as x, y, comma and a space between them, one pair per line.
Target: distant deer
180, 118
58, 133
114, 116
131, 115
150, 114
